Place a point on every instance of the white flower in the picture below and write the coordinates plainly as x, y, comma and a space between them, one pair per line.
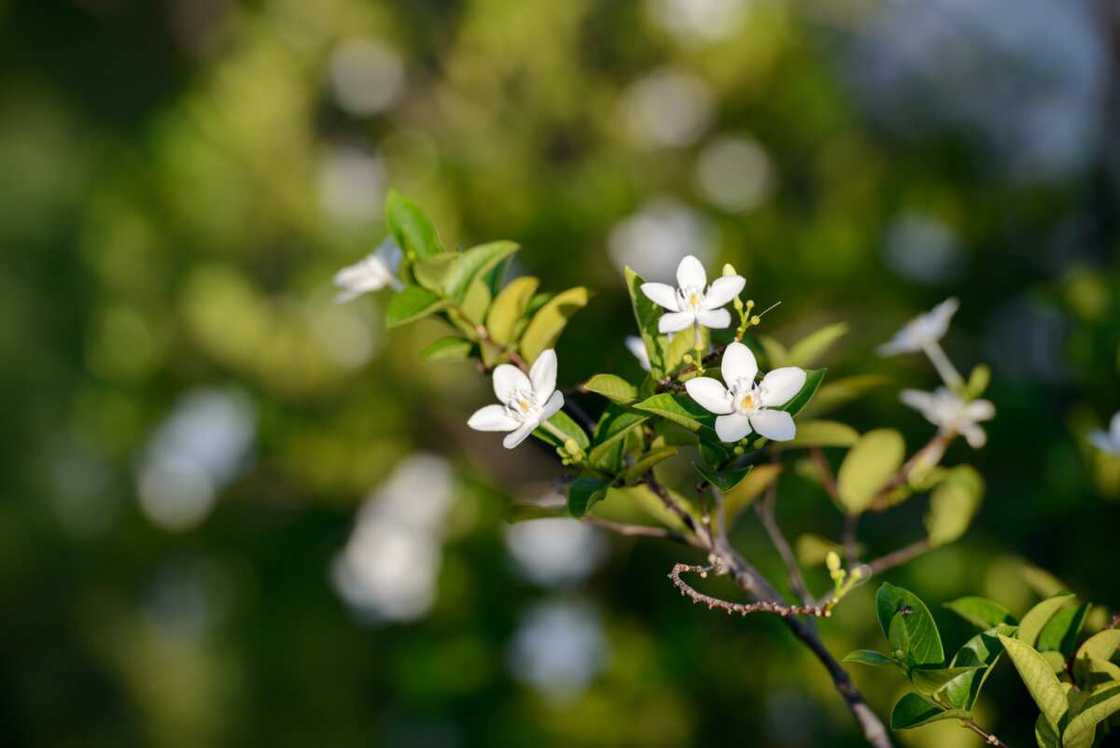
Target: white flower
694, 302
374, 272
946, 410
637, 348
526, 401
922, 331
742, 405
1109, 441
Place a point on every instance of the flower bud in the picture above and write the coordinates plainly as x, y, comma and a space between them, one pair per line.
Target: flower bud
729, 270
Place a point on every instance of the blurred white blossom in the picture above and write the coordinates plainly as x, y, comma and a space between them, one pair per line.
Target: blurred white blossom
653, 240
922, 331
668, 108
734, 173
558, 649
952, 414
1108, 441
372, 273
555, 551
367, 76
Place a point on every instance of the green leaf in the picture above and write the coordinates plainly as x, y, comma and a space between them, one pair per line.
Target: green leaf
981, 612
410, 228
953, 504
431, 271
477, 302
676, 346
1092, 673
411, 304
843, 391
571, 429
806, 351
1045, 734
549, 322
646, 315
924, 643
584, 493
742, 495
813, 379
448, 349
724, 480
813, 549
913, 711
1039, 679
777, 355
1099, 707
612, 387
509, 307
1038, 616
473, 264
1103, 645
680, 409
823, 434
1061, 631
609, 434
870, 657
646, 462
869, 464
929, 681
982, 651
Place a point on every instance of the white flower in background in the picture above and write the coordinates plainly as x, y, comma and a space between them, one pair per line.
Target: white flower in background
952, 414
526, 401
742, 405
694, 302
1108, 441
923, 331
637, 348
373, 273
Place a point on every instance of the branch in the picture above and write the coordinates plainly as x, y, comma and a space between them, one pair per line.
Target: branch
703, 538
828, 480
743, 609
765, 511
988, 737
643, 531
936, 445
899, 557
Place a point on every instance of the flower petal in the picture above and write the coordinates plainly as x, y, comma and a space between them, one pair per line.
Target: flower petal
675, 322
543, 376
507, 380
780, 385
732, 428
974, 435
738, 363
776, 425
662, 295
493, 418
690, 273
515, 438
1114, 428
1104, 442
710, 393
637, 347
717, 319
555, 403
980, 410
923, 402
724, 290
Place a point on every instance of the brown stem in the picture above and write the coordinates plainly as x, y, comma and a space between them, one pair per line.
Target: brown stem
743, 609
702, 537
828, 480
988, 737
851, 525
899, 557
765, 511
642, 531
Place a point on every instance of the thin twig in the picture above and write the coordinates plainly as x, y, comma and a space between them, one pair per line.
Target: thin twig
828, 480
936, 445
703, 538
580, 415
743, 609
988, 737
644, 531
765, 511
851, 526
899, 557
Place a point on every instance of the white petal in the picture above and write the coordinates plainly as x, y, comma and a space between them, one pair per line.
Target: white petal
780, 385
724, 290
738, 363
1114, 428
732, 428
507, 380
776, 425
690, 273
710, 393
974, 435
717, 319
675, 322
515, 438
923, 402
543, 376
896, 345
943, 312
493, 418
662, 295
1104, 442
637, 347
555, 403
980, 410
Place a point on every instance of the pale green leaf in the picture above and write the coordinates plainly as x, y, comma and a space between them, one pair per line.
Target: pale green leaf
549, 322
1038, 616
981, 612
806, 351
823, 434
431, 271
448, 349
870, 657
680, 409
474, 264
509, 307
953, 504
776, 354
1098, 708
410, 228
753, 485
646, 315
1062, 630
411, 304
929, 681
612, 387
1038, 677
869, 464
843, 391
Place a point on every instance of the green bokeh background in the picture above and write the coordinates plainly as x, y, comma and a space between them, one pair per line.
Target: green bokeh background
180, 179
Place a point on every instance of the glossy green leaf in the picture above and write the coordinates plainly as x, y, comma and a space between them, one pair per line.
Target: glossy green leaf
869, 464
1038, 677
571, 429
1061, 632
1038, 616
410, 228
411, 304
981, 612
549, 322
1099, 707
953, 504
805, 352
646, 315
609, 434
473, 264
584, 493
430, 272
1045, 734
612, 387
981, 651
509, 307
924, 642
913, 711
477, 302
823, 434
675, 347
448, 349
680, 409
1103, 645
647, 462
929, 681
870, 657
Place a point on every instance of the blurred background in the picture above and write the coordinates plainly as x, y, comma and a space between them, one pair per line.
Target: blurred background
238, 514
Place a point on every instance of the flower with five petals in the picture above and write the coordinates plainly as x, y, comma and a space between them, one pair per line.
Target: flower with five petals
694, 302
372, 273
526, 401
952, 414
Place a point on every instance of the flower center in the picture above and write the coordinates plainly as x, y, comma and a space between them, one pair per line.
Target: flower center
747, 397
523, 406
691, 299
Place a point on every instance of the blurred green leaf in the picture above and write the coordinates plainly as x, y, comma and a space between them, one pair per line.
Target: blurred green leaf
823, 434
981, 612
776, 354
869, 464
1038, 677
411, 304
612, 387
448, 349
477, 302
509, 307
549, 322
840, 392
584, 493
431, 272
922, 643
742, 495
953, 504
410, 228
472, 265
806, 351
646, 315
913, 711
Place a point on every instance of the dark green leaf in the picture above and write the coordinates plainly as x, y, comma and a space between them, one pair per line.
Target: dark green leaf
982, 650
411, 304
410, 228
1038, 616
680, 409
929, 681
584, 493
981, 612
870, 657
813, 379
924, 645
473, 264
1061, 631
609, 434
913, 711
724, 480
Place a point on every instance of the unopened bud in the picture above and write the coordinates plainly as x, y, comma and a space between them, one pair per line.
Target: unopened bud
729, 270
832, 561
756, 320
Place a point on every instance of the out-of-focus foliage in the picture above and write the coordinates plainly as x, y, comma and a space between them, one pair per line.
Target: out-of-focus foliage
238, 513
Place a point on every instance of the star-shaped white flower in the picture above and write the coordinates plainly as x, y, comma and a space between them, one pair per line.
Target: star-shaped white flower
526, 401
637, 348
694, 302
1108, 441
743, 405
952, 414
922, 331
374, 272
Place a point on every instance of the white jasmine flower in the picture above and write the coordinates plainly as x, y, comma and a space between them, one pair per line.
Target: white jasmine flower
923, 331
374, 272
694, 302
952, 414
526, 401
1108, 441
742, 405
637, 348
